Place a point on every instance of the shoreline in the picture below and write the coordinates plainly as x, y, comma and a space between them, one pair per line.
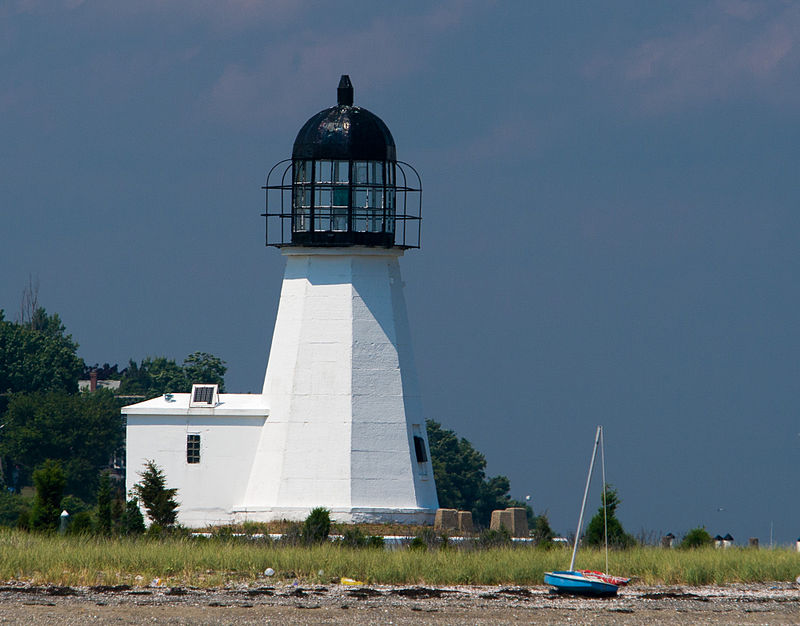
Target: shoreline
777, 602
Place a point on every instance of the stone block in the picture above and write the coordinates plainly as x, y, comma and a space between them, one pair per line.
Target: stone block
465, 526
446, 519
501, 518
519, 522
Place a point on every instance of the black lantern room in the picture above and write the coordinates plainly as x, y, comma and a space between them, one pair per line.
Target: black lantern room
343, 185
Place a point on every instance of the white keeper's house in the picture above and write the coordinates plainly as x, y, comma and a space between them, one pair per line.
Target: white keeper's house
339, 421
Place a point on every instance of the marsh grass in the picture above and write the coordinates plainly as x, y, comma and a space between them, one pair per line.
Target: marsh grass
214, 563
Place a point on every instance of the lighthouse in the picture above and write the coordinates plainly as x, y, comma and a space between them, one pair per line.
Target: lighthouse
346, 428
339, 421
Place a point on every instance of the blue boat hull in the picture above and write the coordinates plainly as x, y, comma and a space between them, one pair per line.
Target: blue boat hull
578, 584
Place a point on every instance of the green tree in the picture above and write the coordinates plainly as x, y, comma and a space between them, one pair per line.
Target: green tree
459, 472
37, 356
11, 506
457, 468
696, 538
155, 376
49, 480
202, 367
493, 495
617, 537
541, 532
81, 430
158, 500
104, 505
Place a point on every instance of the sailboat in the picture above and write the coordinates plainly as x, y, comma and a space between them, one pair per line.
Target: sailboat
588, 582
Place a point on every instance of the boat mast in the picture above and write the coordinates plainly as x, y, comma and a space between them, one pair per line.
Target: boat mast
605, 501
585, 493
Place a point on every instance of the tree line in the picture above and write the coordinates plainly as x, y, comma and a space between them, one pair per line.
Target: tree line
48, 426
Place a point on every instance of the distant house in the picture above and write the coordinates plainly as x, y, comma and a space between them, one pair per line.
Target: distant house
93, 384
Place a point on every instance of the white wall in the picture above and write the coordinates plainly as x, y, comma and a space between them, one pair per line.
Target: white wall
207, 490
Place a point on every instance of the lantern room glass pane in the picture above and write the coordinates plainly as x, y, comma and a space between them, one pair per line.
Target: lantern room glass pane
302, 171
376, 172
341, 171
323, 196
374, 221
360, 221
341, 196
302, 197
376, 197
360, 195
322, 219
324, 171
368, 172
301, 220
360, 172
340, 220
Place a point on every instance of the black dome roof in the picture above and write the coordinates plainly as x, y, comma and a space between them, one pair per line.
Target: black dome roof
345, 132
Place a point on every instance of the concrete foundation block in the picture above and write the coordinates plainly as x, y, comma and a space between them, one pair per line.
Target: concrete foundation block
502, 518
465, 526
519, 522
446, 519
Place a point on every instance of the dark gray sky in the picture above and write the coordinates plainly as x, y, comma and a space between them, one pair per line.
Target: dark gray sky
610, 233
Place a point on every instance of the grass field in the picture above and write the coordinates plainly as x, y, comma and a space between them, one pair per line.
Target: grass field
212, 563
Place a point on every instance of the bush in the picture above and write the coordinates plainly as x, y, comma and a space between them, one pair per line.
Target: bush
222, 533
428, 539
317, 526
696, 538
81, 524
73, 504
352, 537
494, 538
255, 528
155, 531
292, 535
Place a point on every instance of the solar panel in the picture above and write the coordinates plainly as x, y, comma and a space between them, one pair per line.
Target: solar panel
204, 395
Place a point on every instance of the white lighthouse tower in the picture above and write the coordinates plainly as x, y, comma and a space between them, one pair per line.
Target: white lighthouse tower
346, 429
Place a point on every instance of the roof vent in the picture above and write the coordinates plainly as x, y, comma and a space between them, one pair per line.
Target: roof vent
204, 396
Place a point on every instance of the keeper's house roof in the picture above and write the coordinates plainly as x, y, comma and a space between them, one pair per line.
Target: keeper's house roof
228, 404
